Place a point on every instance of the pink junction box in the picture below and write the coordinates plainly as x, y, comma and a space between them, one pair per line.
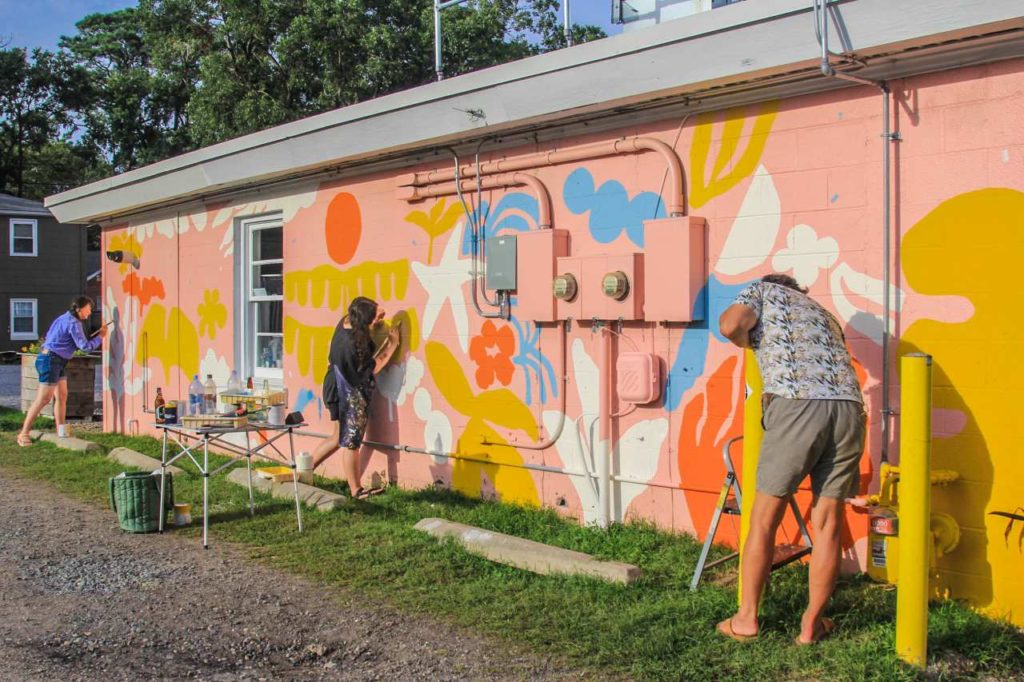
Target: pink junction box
675, 268
638, 377
537, 254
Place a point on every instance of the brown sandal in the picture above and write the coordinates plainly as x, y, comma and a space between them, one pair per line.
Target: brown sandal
828, 626
725, 629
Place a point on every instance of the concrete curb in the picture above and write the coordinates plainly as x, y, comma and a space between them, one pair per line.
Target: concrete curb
527, 554
313, 496
131, 458
72, 443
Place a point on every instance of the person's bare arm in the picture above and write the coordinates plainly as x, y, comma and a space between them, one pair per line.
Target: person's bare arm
736, 323
387, 349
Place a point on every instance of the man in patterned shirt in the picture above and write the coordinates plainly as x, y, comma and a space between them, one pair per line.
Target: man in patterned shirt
814, 424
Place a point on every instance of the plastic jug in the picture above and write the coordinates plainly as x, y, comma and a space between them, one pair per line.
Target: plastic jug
234, 383
210, 396
195, 396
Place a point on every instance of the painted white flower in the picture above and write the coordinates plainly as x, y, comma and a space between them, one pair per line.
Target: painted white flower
437, 430
398, 381
806, 254
217, 365
755, 229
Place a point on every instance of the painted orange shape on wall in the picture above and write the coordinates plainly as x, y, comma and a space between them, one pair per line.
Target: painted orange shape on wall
343, 227
144, 289
492, 352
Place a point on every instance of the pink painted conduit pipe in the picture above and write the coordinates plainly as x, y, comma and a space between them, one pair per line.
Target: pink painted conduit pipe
676, 203
414, 193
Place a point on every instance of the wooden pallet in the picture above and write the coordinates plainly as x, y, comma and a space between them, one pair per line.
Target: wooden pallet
200, 421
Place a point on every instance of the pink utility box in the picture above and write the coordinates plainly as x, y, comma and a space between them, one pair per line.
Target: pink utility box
638, 377
537, 253
675, 269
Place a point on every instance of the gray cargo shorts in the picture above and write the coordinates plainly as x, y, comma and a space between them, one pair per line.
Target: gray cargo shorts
823, 438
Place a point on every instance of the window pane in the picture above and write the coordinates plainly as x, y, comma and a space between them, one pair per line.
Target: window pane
22, 309
266, 244
22, 230
266, 280
22, 324
22, 245
268, 352
268, 317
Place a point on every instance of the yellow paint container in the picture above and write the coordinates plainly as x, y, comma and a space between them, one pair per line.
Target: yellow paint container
182, 514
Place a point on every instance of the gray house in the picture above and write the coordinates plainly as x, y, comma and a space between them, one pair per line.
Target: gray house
42, 267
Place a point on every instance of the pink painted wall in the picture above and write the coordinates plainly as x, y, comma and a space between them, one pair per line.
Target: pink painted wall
791, 186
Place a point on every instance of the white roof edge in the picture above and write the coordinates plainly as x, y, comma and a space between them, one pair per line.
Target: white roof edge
737, 42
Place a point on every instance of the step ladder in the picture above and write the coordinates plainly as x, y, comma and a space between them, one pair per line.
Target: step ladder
730, 502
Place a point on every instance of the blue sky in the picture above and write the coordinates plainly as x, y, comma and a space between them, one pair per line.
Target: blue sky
41, 23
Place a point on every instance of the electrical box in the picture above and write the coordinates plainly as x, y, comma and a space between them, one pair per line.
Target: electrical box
675, 268
538, 252
638, 377
612, 287
569, 308
501, 263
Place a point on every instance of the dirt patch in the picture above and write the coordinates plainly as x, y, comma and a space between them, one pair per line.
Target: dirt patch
80, 600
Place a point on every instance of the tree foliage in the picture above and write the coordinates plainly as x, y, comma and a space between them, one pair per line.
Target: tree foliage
145, 83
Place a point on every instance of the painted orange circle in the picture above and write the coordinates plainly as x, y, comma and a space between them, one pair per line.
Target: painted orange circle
343, 227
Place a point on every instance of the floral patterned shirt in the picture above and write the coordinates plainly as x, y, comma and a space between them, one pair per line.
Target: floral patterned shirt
799, 345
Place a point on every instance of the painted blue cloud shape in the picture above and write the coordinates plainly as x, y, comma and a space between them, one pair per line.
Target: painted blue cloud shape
692, 353
611, 210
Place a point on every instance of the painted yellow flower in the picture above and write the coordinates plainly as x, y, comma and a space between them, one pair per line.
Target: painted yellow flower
212, 314
436, 222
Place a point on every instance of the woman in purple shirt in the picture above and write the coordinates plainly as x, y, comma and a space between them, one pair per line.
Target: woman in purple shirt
66, 335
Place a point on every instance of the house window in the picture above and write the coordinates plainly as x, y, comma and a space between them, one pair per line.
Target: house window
24, 319
261, 288
23, 237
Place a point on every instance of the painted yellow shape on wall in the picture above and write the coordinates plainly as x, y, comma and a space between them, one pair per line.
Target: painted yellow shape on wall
703, 188
973, 246
213, 315
501, 407
379, 281
124, 241
171, 338
311, 344
435, 222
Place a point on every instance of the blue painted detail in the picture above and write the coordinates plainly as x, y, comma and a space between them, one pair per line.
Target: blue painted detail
530, 358
510, 214
611, 210
692, 353
304, 398
834, 198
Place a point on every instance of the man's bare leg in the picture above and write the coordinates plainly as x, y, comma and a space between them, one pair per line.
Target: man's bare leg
826, 528
758, 551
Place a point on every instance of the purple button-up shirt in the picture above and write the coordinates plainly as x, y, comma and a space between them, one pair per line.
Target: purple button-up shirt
66, 335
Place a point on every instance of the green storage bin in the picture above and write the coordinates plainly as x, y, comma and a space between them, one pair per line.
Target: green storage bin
135, 496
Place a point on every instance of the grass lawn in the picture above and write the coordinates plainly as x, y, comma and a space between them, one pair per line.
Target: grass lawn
656, 629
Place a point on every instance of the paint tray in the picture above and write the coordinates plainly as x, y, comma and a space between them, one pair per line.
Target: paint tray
275, 474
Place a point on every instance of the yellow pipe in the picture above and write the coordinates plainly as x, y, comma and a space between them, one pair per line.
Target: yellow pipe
752, 435
915, 508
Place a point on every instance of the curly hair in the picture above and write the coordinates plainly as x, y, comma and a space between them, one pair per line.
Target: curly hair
785, 281
361, 312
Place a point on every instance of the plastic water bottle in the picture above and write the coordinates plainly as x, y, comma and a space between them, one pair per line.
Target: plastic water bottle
195, 396
234, 383
210, 396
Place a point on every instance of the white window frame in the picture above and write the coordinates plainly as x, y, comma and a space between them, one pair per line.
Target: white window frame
34, 224
245, 322
26, 336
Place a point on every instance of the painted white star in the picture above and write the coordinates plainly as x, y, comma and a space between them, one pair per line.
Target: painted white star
443, 283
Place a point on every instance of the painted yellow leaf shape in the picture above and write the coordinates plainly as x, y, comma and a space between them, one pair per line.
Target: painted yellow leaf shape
171, 338
500, 406
435, 222
379, 281
702, 188
124, 241
410, 333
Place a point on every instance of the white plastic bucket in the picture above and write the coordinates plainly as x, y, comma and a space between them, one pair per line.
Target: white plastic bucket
304, 467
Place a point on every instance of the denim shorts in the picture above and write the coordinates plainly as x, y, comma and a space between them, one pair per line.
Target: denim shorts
51, 367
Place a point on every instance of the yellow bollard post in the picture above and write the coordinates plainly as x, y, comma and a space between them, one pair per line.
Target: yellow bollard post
752, 436
914, 508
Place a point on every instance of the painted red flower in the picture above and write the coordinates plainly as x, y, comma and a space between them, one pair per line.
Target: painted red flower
492, 352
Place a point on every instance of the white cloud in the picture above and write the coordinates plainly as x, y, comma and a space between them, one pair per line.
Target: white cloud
806, 254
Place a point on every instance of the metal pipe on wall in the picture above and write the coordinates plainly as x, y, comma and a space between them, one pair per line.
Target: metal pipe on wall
602, 449
566, 23
475, 239
539, 190
888, 137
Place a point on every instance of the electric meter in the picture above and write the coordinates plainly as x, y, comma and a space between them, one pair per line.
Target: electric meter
615, 285
564, 287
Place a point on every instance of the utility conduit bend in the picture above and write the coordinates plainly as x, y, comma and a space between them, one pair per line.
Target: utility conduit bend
676, 202
540, 191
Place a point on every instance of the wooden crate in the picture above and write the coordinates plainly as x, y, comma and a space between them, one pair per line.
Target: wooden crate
198, 421
81, 375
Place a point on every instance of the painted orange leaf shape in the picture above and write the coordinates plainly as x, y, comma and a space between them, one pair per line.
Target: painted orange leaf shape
497, 365
145, 289
436, 222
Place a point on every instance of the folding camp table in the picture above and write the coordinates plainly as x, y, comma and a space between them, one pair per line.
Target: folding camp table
217, 435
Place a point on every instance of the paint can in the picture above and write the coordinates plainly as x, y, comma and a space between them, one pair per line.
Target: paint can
182, 514
275, 415
304, 467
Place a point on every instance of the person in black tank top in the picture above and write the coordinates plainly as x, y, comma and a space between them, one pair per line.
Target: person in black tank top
349, 382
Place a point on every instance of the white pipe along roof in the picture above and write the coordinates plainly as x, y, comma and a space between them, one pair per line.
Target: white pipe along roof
760, 48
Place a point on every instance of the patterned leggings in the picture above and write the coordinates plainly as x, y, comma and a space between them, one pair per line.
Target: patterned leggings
353, 415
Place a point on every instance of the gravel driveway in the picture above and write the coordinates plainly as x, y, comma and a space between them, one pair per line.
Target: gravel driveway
80, 600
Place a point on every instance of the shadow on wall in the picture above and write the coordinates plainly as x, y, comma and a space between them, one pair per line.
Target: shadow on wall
115, 372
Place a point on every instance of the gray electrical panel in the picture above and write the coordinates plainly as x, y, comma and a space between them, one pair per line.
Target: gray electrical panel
501, 263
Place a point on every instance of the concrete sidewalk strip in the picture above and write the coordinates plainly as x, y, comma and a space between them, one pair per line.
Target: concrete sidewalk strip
131, 458
527, 554
71, 443
321, 499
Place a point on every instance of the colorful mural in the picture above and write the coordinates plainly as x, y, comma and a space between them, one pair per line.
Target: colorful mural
783, 187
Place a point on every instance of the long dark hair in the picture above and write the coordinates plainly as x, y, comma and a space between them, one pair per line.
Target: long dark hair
80, 302
361, 312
